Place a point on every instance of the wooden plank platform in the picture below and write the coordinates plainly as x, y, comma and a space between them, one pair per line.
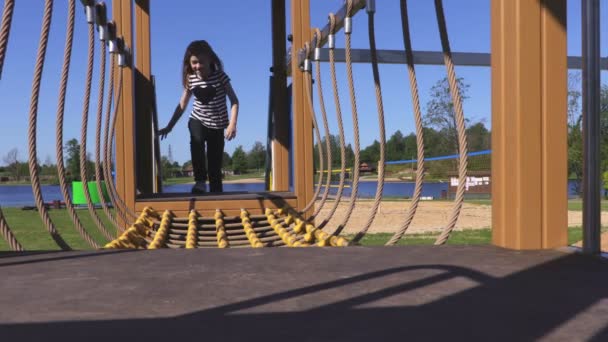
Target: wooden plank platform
418, 293
230, 203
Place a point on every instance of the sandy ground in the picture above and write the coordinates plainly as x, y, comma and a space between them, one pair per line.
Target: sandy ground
430, 216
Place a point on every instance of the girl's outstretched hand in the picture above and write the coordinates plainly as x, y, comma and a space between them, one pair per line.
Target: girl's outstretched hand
163, 132
230, 132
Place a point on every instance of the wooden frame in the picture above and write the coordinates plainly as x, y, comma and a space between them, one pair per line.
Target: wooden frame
529, 117
134, 127
302, 117
125, 145
529, 94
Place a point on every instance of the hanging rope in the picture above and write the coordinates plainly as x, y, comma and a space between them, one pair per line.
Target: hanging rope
121, 204
5, 29
59, 129
308, 95
106, 166
419, 129
33, 160
160, 238
380, 106
7, 234
460, 125
325, 126
102, 76
334, 81
83, 137
355, 117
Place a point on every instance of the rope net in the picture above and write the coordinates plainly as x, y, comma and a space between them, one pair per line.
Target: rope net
457, 165
282, 227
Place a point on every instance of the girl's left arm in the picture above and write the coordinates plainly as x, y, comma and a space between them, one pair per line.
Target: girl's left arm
234, 112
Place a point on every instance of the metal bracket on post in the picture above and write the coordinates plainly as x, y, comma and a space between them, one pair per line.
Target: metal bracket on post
111, 29
101, 21
124, 53
89, 9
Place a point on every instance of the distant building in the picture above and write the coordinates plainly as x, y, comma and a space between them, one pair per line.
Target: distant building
188, 171
366, 168
478, 184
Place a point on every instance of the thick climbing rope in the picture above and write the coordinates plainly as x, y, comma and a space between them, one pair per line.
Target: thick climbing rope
288, 237
317, 33
106, 165
460, 125
249, 232
83, 136
308, 95
382, 129
163, 230
118, 200
33, 160
101, 89
59, 128
419, 129
138, 234
334, 81
8, 235
5, 29
312, 233
220, 230
192, 236
355, 118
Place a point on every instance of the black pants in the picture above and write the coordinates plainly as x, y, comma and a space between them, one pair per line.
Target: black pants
214, 140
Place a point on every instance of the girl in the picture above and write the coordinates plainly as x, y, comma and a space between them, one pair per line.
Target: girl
203, 75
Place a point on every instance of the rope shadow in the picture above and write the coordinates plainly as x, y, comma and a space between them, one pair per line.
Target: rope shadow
523, 306
48, 256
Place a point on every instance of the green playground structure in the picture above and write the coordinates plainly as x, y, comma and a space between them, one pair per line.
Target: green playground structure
78, 196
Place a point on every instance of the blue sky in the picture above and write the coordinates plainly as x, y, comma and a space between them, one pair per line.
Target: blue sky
240, 32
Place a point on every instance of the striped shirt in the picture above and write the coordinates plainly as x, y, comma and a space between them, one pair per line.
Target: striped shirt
210, 99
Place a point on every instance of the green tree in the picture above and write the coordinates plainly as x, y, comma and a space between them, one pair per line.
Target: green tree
371, 154
72, 151
239, 160
256, 156
12, 163
478, 137
440, 111
167, 168
227, 161
575, 134
395, 147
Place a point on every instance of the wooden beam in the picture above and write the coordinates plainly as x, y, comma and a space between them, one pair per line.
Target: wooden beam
529, 107
302, 123
280, 142
143, 99
125, 130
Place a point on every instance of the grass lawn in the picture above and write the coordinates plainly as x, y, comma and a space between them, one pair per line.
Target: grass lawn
29, 231
463, 237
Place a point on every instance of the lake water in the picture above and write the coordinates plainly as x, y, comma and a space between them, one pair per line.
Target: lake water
21, 195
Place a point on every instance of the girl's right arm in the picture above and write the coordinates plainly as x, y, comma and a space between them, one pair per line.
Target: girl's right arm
179, 110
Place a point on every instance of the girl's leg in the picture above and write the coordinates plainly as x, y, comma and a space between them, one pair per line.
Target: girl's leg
215, 154
197, 150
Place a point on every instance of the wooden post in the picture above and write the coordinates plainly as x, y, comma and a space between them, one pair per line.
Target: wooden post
302, 143
529, 124
280, 142
143, 99
125, 129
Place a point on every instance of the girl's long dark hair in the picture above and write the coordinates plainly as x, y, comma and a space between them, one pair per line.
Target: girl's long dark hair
198, 48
